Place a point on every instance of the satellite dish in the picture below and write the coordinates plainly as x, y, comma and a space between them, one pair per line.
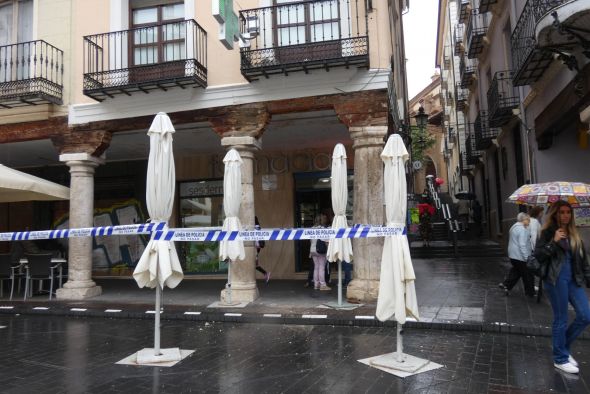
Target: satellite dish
417, 165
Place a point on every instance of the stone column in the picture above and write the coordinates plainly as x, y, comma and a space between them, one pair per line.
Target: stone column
243, 272
80, 284
368, 209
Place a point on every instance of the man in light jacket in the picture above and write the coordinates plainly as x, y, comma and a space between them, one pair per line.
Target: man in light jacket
519, 249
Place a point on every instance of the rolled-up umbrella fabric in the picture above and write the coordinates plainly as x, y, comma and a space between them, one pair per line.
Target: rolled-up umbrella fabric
397, 294
159, 264
232, 198
339, 249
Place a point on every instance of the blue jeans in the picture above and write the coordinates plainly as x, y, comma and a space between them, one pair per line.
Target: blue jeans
564, 291
347, 269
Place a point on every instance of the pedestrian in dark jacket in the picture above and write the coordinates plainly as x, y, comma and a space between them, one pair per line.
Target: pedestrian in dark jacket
565, 268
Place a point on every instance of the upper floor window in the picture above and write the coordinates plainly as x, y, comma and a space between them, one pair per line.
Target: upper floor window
307, 22
16, 21
156, 37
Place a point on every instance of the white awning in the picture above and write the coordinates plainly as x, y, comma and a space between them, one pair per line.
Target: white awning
19, 186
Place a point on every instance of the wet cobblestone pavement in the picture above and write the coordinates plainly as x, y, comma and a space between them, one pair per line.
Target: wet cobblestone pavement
53, 354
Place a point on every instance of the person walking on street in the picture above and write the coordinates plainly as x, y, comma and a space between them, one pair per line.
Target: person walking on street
259, 245
519, 249
565, 267
463, 213
318, 254
535, 227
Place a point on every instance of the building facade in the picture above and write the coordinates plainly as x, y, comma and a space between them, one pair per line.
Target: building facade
520, 90
280, 81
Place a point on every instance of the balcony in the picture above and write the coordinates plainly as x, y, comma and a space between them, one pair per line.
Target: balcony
467, 70
31, 73
458, 39
486, 5
529, 61
484, 134
149, 58
477, 27
461, 97
463, 11
465, 166
472, 154
502, 99
303, 36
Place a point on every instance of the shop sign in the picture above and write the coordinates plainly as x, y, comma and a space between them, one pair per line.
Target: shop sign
201, 188
223, 12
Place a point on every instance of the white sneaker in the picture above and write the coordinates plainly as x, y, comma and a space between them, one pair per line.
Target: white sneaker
572, 361
567, 367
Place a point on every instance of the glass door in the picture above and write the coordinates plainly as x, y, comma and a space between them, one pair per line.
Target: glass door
201, 205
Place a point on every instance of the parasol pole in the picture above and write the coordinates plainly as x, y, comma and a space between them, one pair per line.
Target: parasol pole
339, 282
228, 286
157, 321
400, 344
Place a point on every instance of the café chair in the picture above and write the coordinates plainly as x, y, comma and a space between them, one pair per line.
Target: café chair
39, 268
7, 272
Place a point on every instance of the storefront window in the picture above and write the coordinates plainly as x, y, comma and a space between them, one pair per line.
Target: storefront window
201, 205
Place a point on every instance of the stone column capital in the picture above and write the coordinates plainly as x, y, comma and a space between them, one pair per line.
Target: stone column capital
94, 143
82, 159
368, 136
241, 120
246, 146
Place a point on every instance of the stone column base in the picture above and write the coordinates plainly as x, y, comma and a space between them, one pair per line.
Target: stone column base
78, 293
240, 295
364, 290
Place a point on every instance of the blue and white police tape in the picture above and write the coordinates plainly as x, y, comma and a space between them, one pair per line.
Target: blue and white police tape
146, 228
292, 234
160, 233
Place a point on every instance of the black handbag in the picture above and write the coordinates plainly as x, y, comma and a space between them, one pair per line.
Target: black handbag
321, 247
533, 265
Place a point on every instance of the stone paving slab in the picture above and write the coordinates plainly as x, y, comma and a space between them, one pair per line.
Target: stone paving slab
453, 294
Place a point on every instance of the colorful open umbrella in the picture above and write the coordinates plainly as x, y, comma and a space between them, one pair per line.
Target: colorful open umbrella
576, 193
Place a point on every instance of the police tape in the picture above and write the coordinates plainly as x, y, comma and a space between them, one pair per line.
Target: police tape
146, 228
160, 233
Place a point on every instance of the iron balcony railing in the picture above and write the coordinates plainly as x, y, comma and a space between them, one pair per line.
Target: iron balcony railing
467, 70
463, 11
303, 35
30, 73
477, 27
528, 61
486, 5
458, 38
146, 58
502, 99
484, 134
461, 97
466, 167
473, 154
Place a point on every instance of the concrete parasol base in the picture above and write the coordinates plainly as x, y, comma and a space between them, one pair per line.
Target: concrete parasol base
409, 365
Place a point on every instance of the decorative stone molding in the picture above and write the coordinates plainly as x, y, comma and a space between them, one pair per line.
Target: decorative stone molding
241, 120
94, 143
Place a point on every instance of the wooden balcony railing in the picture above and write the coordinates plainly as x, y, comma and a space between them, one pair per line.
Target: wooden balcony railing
30, 73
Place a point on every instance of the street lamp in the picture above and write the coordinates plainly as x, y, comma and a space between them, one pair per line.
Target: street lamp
421, 118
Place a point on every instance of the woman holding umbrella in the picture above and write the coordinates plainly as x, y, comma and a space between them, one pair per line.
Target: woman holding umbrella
566, 268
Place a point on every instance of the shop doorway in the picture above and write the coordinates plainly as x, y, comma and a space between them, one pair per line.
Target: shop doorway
312, 198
